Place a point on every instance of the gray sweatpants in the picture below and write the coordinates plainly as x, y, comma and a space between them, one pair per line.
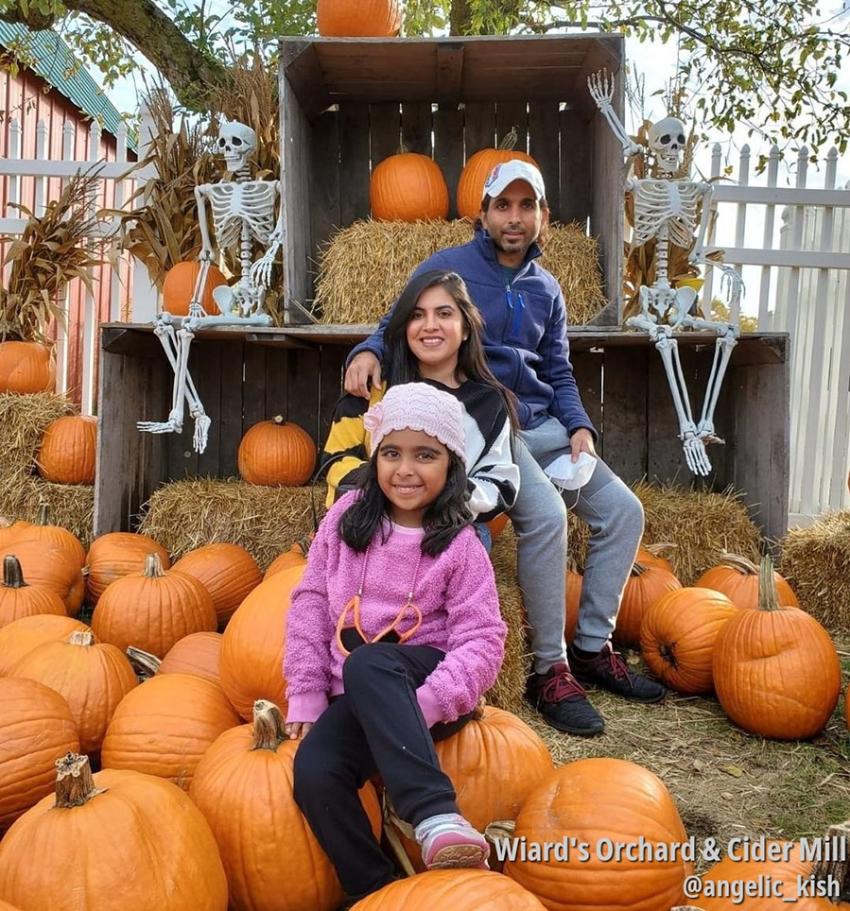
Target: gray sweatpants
539, 517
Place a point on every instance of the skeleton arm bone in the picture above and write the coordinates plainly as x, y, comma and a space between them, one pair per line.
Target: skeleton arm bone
206, 255
262, 269
601, 88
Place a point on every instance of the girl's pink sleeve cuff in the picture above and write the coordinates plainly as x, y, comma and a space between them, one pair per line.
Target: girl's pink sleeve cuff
306, 706
429, 705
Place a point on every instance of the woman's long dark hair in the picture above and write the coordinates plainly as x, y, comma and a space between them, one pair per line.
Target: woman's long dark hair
443, 521
400, 365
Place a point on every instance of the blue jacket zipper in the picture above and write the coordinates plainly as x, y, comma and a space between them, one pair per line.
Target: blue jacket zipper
517, 310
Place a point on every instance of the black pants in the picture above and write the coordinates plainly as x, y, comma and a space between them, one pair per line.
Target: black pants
375, 726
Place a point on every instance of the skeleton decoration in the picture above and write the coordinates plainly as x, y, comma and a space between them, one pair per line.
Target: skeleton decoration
243, 212
672, 210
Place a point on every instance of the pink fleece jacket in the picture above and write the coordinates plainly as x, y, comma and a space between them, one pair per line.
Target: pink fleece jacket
455, 591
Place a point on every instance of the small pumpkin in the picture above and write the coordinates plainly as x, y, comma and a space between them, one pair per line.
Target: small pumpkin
276, 453
153, 610
68, 450
575, 581
117, 554
43, 532
26, 367
497, 525
295, 556
227, 571
18, 600
197, 654
178, 287
678, 637
776, 671
358, 18
654, 555
645, 585
49, 566
408, 187
470, 187
20, 637
104, 820
738, 579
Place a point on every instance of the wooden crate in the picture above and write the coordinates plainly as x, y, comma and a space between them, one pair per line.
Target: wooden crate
346, 104
244, 377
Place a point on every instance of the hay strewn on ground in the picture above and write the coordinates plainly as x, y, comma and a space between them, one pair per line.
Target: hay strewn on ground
23, 420
265, 521
816, 561
350, 289
69, 505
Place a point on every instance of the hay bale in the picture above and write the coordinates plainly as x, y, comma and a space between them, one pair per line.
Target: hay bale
265, 521
23, 420
69, 505
346, 290
816, 561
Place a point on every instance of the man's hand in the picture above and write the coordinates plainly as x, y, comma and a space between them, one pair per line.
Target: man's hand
296, 729
363, 368
582, 441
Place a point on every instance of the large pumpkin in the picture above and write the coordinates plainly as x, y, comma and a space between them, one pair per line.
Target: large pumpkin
575, 581
654, 555
227, 571
164, 726
243, 786
251, 662
19, 600
119, 840
26, 367
50, 566
451, 890
470, 187
645, 585
738, 579
42, 532
153, 610
197, 654
358, 18
776, 671
68, 450
295, 556
408, 187
678, 636
276, 453
599, 802
179, 286
20, 637
92, 677
36, 726
117, 554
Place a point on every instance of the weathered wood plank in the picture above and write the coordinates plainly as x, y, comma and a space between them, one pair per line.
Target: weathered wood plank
544, 148
230, 410
512, 115
448, 150
449, 72
479, 127
254, 389
353, 162
624, 421
587, 369
384, 131
324, 190
331, 370
416, 127
302, 386
575, 178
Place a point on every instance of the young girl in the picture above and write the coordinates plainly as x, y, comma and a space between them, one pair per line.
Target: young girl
393, 636
434, 334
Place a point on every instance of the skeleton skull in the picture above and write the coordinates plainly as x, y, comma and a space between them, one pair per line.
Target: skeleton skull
236, 142
667, 141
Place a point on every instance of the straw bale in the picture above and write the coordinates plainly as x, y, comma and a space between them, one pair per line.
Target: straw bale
69, 505
816, 561
183, 515
347, 290
23, 420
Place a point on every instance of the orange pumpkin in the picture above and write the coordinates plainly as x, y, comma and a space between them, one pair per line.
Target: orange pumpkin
197, 654
36, 726
92, 677
594, 800
470, 187
251, 662
574, 585
19, 600
117, 554
49, 566
678, 635
776, 671
153, 610
458, 890
20, 637
738, 579
179, 286
497, 525
408, 187
276, 453
358, 18
295, 556
104, 820
42, 532
165, 725
243, 786
646, 584
227, 571
26, 367
653, 555
68, 450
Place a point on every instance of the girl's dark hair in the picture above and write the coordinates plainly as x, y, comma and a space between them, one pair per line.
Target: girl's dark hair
400, 365
443, 521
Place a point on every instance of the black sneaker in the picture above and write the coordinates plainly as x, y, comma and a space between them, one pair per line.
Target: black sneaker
609, 670
562, 702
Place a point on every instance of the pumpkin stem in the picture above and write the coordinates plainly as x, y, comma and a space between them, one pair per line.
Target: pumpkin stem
768, 596
661, 548
269, 731
509, 140
74, 781
278, 419
735, 561
668, 653
303, 544
833, 865
43, 514
144, 663
82, 637
12, 575
153, 567
638, 568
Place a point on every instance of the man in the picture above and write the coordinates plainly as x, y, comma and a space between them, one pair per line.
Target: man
527, 349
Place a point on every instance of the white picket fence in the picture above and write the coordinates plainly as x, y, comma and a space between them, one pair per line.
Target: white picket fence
800, 285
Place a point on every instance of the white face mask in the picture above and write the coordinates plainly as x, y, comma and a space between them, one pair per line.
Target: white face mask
569, 475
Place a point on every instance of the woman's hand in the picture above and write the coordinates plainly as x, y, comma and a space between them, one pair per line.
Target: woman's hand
297, 729
363, 369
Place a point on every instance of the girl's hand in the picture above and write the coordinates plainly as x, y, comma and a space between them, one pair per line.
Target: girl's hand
296, 729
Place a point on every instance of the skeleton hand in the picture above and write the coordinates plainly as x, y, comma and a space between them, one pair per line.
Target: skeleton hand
695, 454
261, 271
731, 284
601, 88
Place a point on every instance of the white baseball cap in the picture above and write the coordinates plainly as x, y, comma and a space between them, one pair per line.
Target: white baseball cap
507, 172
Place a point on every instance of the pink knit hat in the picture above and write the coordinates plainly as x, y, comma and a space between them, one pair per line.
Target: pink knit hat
418, 406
